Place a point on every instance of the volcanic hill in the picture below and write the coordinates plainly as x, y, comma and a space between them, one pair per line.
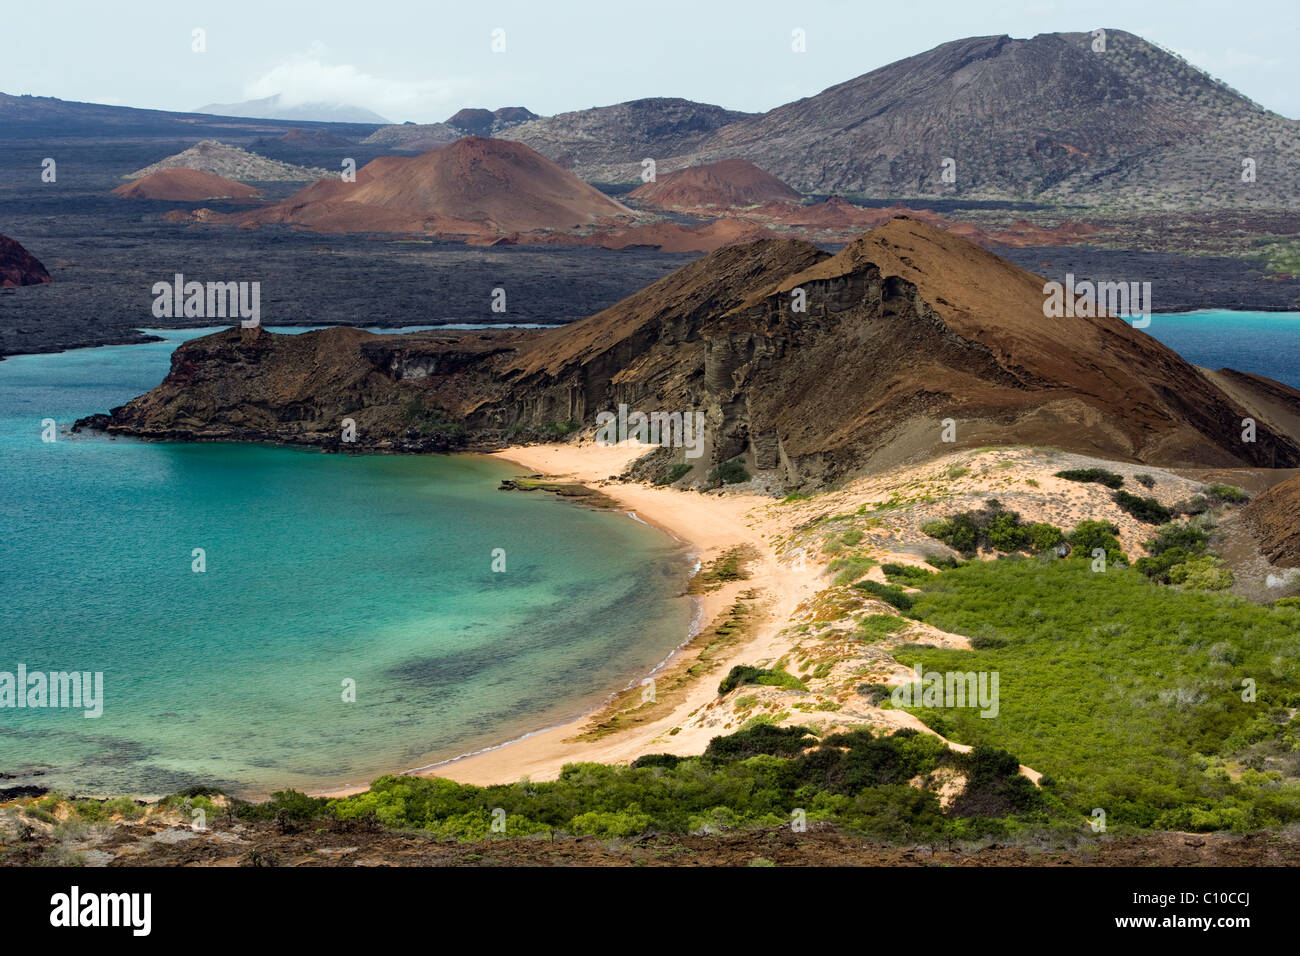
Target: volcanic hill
472, 187
606, 144
414, 136
230, 162
728, 183
1050, 119
905, 328
184, 185
18, 266
480, 122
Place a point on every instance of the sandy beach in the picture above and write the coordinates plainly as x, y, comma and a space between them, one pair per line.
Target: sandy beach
789, 617
709, 524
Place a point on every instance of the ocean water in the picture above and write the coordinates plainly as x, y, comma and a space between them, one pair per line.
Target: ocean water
320, 569
1266, 343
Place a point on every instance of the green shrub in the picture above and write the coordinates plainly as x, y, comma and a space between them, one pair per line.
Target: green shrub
1196, 505
674, 473
729, 473
1147, 510
1145, 480
1090, 535
1226, 494
888, 593
991, 527
1043, 536
908, 574
1206, 572
1099, 476
850, 567
1187, 537
873, 627
744, 674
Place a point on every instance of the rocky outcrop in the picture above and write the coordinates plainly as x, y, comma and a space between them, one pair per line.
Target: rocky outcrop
18, 266
1275, 518
909, 343
232, 163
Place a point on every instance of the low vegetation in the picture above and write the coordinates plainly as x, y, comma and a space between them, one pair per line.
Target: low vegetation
1098, 476
883, 787
1147, 510
728, 473
1170, 708
993, 528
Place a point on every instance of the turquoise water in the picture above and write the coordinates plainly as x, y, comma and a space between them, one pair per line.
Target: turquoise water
319, 569
1266, 343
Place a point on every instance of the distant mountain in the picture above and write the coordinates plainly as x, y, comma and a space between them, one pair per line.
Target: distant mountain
231, 162
728, 183
1046, 119
414, 136
273, 107
608, 143
18, 266
475, 186
306, 138
479, 122
48, 118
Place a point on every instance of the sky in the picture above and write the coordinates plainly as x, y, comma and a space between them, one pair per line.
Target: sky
422, 61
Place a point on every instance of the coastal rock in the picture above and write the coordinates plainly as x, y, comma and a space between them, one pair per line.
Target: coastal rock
18, 266
808, 366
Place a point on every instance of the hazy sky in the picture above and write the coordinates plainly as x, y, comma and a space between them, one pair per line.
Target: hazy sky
422, 61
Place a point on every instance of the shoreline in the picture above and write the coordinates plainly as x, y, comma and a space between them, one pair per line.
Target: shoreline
706, 525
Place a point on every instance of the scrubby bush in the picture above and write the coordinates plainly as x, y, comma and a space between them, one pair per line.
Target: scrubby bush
674, 473
729, 473
1226, 494
991, 527
1042, 536
1196, 505
873, 627
1145, 480
1205, 572
1147, 510
888, 593
1090, 535
850, 567
744, 674
1098, 476
908, 574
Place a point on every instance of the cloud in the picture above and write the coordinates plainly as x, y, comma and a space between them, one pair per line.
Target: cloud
307, 78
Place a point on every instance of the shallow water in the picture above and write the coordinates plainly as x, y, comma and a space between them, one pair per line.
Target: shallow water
320, 569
